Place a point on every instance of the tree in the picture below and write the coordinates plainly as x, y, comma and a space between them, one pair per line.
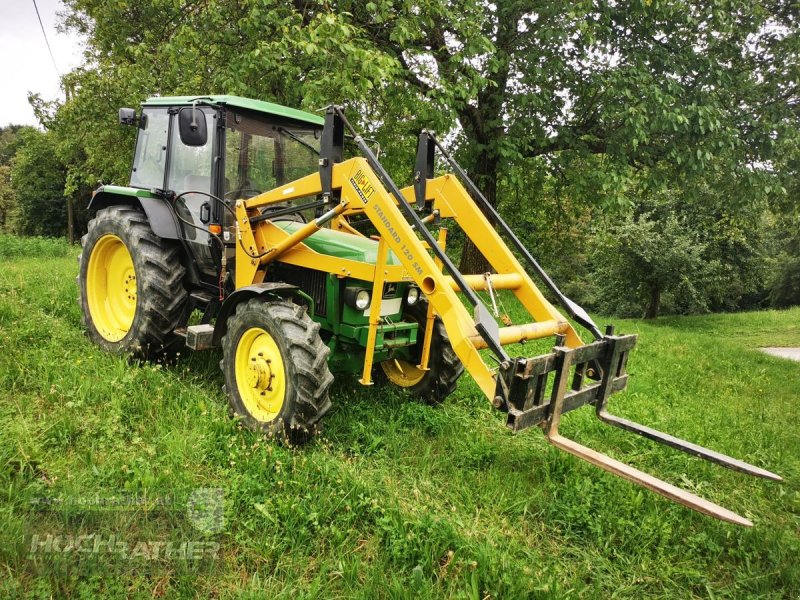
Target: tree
7, 199
9, 140
593, 97
37, 179
684, 250
639, 83
297, 54
645, 259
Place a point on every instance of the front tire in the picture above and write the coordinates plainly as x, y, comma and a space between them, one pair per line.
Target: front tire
444, 367
276, 369
131, 284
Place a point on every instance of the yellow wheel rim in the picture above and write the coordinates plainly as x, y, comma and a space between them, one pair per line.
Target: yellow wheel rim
111, 288
402, 373
260, 374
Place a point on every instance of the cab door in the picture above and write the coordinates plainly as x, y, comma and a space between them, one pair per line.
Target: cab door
190, 175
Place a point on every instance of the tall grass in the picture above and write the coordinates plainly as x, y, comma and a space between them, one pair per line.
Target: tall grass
395, 499
13, 246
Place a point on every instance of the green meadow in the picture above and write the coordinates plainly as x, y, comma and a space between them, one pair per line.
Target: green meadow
102, 459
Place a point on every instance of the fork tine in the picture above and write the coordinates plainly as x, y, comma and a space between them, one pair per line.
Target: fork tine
667, 490
684, 446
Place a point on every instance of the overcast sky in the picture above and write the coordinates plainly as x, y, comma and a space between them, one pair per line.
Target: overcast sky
25, 64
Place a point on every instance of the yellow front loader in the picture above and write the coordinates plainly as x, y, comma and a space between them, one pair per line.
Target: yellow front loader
581, 373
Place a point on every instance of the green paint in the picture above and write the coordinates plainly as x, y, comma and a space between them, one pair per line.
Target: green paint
121, 190
341, 245
238, 102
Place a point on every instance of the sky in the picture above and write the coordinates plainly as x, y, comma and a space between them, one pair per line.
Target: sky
25, 64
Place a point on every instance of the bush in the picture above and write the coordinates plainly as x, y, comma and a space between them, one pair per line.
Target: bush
12, 246
785, 288
38, 178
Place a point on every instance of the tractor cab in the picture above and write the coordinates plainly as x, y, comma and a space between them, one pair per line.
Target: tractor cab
200, 156
198, 148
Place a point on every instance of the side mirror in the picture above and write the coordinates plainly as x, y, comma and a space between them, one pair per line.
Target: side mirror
127, 116
192, 126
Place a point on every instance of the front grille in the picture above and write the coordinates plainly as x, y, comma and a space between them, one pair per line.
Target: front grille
310, 281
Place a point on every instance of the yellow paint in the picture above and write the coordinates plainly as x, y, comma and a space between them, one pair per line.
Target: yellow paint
260, 374
402, 373
111, 288
382, 210
362, 193
452, 200
375, 311
425, 355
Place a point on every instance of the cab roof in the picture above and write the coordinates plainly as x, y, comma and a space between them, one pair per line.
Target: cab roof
239, 102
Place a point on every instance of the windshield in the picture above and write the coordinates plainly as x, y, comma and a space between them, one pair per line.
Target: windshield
260, 155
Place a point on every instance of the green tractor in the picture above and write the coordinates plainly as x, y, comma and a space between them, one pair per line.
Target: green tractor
164, 247
245, 226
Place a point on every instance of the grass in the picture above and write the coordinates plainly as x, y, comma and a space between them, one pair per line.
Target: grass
395, 499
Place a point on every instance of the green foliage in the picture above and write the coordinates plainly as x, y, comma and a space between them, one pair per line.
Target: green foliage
37, 177
396, 499
8, 200
682, 252
9, 140
785, 285
570, 119
12, 246
654, 82
647, 261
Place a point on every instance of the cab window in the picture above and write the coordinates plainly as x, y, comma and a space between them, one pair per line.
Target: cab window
150, 156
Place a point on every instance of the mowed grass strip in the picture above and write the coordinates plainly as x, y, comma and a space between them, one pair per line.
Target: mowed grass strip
395, 499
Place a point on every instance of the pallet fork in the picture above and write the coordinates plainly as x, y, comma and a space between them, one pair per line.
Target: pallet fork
582, 373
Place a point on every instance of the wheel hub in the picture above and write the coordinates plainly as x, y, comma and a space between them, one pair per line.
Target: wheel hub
260, 373
129, 285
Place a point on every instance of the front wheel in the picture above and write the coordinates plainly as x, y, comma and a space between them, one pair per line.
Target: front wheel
276, 369
444, 367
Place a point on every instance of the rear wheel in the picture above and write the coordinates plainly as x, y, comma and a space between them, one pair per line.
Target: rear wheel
131, 284
276, 369
444, 367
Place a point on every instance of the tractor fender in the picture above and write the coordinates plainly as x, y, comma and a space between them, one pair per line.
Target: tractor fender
158, 211
276, 289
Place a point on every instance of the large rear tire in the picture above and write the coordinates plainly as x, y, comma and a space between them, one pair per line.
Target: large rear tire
444, 367
131, 285
276, 369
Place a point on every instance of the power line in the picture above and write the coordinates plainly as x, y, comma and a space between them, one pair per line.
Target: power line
46, 41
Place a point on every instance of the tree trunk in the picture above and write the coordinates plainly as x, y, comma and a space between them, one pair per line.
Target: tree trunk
70, 222
485, 177
654, 304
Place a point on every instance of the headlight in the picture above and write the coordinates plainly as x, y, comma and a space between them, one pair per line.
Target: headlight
362, 299
412, 296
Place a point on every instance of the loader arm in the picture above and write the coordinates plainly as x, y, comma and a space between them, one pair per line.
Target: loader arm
361, 189
532, 391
